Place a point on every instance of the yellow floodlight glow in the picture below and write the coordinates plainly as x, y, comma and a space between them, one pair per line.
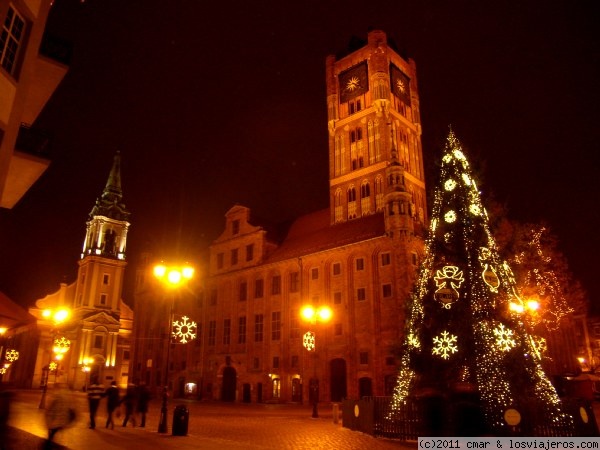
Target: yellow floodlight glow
173, 276
308, 313
516, 308
160, 270
324, 313
3, 330
533, 305
187, 272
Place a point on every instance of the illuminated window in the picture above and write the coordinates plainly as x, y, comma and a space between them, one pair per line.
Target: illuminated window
11, 40
276, 387
258, 327
242, 330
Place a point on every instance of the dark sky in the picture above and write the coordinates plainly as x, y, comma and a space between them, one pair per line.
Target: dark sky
216, 103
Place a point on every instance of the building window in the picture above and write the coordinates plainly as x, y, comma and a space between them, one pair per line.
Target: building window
126, 355
275, 362
212, 332
259, 288
314, 273
256, 363
295, 361
386, 259
415, 259
213, 297
337, 298
220, 258
387, 290
249, 252
103, 299
235, 227
99, 341
337, 329
294, 324
276, 285
364, 357
11, 40
276, 325
258, 327
242, 330
360, 264
227, 331
234, 256
361, 294
243, 291
294, 281
105, 279
337, 268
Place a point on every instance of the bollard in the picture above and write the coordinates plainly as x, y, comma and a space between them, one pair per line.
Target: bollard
336, 413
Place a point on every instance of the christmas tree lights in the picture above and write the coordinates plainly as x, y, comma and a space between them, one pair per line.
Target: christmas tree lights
464, 325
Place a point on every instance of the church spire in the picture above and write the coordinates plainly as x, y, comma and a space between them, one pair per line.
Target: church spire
107, 223
110, 204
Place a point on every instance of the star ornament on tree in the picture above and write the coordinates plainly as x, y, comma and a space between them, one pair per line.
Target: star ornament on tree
444, 344
184, 331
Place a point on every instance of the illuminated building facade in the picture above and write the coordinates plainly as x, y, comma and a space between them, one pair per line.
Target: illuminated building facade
358, 257
31, 67
100, 324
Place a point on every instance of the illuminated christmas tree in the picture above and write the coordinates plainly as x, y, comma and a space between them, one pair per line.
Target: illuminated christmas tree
466, 343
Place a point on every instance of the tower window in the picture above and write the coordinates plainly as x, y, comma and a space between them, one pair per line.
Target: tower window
103, 299
105, 279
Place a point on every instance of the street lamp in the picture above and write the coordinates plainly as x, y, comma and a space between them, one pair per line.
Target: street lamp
312, 316
57, 316
171, 277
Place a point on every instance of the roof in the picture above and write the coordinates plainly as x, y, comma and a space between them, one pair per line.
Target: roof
13, 315
312, 233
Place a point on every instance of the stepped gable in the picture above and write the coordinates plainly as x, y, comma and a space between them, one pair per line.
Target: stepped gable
312, 233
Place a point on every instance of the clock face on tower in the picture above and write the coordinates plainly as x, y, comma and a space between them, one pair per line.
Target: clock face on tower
400, 84
353, 82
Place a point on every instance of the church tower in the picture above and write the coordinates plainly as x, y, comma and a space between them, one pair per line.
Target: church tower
97, 303
375, 153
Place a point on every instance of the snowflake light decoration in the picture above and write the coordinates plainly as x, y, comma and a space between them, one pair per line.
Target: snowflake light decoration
61, 345
308, 340
450, 184
475, 209
52, 366
184, 331
11, 355
2, 370
504, 337
450, 216
540, 345
444, 344
413, 341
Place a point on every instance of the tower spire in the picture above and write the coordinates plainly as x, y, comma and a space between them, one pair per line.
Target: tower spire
110, 204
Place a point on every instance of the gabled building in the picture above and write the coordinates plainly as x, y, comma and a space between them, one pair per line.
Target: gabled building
98, 330
32, 65
357, 257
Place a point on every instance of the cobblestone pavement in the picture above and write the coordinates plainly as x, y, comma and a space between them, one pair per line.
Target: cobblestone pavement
212, 425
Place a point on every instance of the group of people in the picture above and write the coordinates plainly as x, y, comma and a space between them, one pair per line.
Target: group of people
135, 401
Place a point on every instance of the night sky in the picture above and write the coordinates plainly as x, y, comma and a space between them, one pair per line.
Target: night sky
217, 103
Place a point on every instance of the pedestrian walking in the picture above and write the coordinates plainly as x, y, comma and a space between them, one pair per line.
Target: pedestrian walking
130, 401
112, 403
143, 398
58, 415
95, 392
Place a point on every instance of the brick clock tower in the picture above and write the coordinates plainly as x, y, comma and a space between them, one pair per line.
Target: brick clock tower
375, 154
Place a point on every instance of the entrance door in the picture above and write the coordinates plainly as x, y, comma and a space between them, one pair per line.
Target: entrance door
338, 379
296, 390
229, 384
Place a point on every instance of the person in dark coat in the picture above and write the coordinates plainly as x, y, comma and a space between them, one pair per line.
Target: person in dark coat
142, 402
112, 403
95, 392
130, 401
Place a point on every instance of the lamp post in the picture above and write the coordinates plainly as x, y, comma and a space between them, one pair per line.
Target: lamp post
58, 316
171, 277
312, 316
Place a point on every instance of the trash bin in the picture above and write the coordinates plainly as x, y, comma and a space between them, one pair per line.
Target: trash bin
181, 417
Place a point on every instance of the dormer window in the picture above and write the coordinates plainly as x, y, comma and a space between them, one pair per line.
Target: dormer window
235, 227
